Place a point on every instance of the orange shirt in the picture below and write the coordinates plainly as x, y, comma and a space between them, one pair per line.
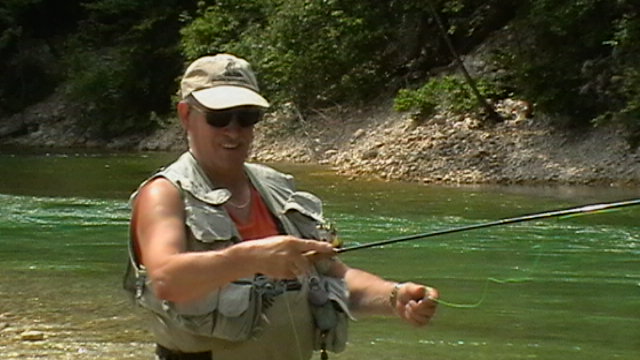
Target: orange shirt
261, 224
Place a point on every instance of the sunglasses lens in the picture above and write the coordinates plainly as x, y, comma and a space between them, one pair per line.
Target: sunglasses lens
249, 117
244, 117
218, 119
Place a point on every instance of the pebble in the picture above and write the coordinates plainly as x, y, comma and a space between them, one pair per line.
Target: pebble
32, 335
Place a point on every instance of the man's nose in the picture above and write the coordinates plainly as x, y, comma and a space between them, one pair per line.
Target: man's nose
234, 124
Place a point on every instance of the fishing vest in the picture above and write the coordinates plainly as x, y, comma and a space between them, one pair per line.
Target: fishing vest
251, 318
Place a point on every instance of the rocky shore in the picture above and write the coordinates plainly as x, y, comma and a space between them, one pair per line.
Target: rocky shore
377, 142
448, 149
28, 338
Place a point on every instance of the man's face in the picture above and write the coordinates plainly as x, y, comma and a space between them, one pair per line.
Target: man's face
222, 139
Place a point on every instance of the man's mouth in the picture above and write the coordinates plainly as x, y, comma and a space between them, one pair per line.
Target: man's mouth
230, 146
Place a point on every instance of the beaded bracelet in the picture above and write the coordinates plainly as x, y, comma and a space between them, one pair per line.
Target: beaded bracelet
393, 296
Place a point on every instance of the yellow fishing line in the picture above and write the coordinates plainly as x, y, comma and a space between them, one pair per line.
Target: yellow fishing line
485, 291
520, 279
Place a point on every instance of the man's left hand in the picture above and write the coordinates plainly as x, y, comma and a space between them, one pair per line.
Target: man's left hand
416, 303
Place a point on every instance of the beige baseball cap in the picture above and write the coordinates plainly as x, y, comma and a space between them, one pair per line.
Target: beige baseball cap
222, 81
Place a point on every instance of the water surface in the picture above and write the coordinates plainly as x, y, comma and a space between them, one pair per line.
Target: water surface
574, 290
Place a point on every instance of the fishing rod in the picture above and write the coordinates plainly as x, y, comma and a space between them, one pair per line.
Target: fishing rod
585, 209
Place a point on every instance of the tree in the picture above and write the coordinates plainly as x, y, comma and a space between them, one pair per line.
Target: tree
32, 32
124, 62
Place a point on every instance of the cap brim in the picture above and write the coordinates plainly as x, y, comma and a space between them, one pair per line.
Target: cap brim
224, 97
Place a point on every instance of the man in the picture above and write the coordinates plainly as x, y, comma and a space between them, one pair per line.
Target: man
232, 260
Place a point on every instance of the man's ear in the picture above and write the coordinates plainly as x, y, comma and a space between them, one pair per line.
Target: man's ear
183, 113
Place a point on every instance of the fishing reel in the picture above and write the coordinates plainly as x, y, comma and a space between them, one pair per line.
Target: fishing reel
327, 232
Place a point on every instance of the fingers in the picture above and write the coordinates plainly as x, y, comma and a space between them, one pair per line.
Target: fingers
421, 312
313, 247
420, 305
288, 257
310, 251
417, 314
432, 294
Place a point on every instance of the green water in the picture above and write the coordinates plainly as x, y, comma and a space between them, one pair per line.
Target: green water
63, 230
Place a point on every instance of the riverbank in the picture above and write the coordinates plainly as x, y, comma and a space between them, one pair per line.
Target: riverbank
380, 143
451, 149
377, 142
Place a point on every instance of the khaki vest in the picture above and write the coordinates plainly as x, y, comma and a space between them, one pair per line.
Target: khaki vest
236, 322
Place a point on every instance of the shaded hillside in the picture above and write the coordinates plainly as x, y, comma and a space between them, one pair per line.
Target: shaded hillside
105, 74
120, 60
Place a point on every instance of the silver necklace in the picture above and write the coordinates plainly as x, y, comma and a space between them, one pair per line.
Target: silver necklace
240, 206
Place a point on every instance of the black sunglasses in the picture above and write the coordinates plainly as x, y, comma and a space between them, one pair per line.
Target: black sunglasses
245, 117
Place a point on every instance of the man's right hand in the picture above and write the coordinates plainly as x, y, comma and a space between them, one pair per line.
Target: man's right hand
282, 256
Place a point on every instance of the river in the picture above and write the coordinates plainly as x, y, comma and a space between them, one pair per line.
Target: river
569, 289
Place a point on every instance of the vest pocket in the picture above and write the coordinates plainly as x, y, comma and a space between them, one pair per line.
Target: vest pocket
233, 313
328, 298
208, 223
304, 210
239, 312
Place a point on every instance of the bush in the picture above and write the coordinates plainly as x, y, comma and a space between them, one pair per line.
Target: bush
123, 67
29, 64
314, 53
30, 75
626, 48
561, 64
448, 93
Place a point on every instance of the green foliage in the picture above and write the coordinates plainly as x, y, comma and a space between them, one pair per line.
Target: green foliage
630, 114
121, 58
310, 52
28, 67
123, 65
448, 93
27, 77
323, 52
564, 60
222, 26
626, 47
